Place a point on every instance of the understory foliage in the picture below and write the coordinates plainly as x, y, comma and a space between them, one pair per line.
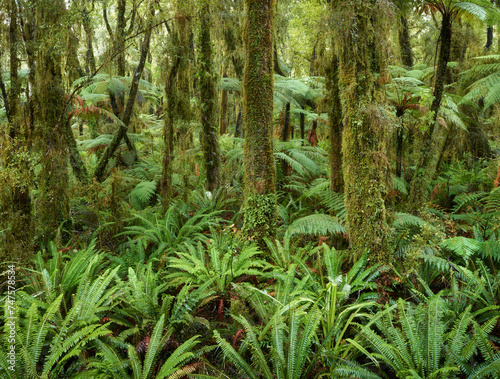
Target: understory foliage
208, 246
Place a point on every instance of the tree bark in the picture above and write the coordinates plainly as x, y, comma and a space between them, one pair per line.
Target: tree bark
75, 159
404, 42
165, 184
260, 177
489, 33
302, 126
90, 66
120, 37
208, 98
53, 202
336, 127
223, 109
15, 208
363, 155
426, 164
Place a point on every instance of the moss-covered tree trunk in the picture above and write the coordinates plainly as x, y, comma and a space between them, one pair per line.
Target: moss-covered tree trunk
363, 155
120, 37
336, 126
15, 202
165, 184
404, 41
258, 86
52, 205
223, 109
90, 65
208, 101
426, 164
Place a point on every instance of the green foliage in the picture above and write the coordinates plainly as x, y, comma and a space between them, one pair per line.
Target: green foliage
420, 342
221, 262
316, 224
141, 195
290, 346
176, 230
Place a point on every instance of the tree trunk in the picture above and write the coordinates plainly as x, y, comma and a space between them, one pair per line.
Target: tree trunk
208, 98
165, 184
53, 202
15, 206
73, 68
238, 129
363, 156
404, 42
426, 164
336, 126
75, 159
399, 149
302, 126
223, 109
90, 66
285, 136
120, 38
260, 177
489, 33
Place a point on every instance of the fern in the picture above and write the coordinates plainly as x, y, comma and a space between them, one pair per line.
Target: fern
142, 194
462, 246
316, 224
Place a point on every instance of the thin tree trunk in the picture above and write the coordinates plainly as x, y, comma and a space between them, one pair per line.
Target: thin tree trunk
260, 177
120, 38
75, 159
285, 136
208, 98
302, 126
426, 164
223, 109
238, 129
399, 149
489, 33
336, 127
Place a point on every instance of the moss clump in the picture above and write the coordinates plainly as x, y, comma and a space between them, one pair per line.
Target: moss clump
260, 216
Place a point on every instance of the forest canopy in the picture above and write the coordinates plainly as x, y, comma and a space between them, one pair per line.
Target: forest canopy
250, 189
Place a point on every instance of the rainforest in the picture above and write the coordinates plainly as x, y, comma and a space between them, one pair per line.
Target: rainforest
250, 189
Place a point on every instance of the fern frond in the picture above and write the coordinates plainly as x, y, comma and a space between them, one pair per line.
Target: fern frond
234, 357
462, 246
316, 224
142, 194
